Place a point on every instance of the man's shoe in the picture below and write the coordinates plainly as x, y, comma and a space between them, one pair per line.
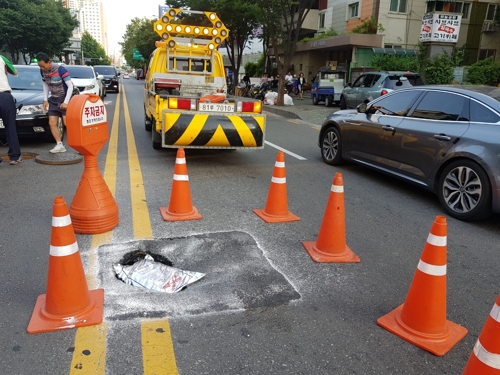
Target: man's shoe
1, 160
15, 162
58, 148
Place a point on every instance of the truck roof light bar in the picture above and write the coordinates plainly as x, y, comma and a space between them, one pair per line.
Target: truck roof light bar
169, 31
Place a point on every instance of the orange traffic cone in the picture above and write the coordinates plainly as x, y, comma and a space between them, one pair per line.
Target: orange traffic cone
276, 210
484, 357
93, 208
331, 245
421, 320
68, 303
180, 207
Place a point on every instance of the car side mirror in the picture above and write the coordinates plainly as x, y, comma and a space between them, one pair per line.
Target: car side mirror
361, 108
100, 76
348, 84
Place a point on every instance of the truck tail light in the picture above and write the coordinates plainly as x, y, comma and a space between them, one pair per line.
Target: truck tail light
383, 92
253, 107
179, 103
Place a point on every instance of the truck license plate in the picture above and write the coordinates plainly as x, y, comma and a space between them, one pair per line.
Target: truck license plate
215, 107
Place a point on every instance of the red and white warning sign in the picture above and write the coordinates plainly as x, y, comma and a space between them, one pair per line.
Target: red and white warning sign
94, 113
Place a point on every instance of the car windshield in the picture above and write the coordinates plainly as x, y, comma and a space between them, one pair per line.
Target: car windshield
79, 71
28, 78
105, 70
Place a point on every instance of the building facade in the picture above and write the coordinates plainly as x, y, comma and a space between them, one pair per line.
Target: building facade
402, 24
91, 17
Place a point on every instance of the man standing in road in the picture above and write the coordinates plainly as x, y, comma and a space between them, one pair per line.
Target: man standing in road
8, 111
57, 82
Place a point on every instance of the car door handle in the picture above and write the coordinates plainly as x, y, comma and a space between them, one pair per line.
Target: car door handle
442, 137
354, 122
388, 128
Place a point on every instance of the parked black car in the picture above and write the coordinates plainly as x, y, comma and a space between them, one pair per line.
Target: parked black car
110, 76
31, 120
444, 139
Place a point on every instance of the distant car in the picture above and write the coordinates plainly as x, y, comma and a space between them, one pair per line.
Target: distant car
31, 120
371, 85
444, 139
110, 77
125, 75
87, 80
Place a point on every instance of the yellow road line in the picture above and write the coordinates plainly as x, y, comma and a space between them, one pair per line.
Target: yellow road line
89, 356
157, 348
295, 121
140, 213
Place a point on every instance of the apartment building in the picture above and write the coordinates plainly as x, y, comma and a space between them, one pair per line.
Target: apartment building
91, 16
402, 21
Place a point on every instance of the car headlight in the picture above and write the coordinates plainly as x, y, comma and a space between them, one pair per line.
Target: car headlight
36, 109
89, 87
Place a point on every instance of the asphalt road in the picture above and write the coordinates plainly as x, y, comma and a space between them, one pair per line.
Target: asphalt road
263, 307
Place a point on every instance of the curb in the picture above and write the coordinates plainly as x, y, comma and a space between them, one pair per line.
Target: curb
281, 112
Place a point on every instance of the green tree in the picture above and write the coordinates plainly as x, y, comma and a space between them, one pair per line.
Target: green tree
484, 72
439, 70
241, 17
368, 26
93, 52
30, 26
140, 35
395, 62
282, 21
251, 69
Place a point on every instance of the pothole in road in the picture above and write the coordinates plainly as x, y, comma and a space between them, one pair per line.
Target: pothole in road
237, 276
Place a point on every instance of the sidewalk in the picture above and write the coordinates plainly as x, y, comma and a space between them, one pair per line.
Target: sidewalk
302, 109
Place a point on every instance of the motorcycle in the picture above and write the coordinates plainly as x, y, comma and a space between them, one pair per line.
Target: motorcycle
255, 90
264, 88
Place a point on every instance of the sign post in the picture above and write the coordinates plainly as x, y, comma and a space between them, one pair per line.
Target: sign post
93, 209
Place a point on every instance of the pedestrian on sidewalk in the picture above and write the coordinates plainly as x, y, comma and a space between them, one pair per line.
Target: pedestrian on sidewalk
57, 82
301, 81
8, 111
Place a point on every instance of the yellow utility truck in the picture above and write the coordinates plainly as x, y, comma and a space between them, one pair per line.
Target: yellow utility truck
185, 96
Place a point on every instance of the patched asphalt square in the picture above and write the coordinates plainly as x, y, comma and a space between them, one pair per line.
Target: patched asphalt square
238, 276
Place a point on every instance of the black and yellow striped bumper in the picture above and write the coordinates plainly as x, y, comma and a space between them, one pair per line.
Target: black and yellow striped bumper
203, 130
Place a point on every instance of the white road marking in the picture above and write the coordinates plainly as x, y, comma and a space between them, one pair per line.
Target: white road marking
285, 151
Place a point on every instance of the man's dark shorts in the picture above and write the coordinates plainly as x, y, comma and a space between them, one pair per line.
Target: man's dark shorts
54, 107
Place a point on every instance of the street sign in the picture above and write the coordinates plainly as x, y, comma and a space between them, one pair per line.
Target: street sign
162, 9
136, 55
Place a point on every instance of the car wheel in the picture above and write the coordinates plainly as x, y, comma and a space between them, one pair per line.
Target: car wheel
464, 191
118, 89
343, 104
315, 100
155, 138
331, 146
328, 101
148, 125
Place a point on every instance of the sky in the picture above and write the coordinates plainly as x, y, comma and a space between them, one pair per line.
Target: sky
119, 15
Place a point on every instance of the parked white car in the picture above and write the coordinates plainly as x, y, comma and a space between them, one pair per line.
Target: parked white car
87, 80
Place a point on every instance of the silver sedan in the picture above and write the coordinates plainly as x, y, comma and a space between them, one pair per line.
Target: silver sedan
444, 139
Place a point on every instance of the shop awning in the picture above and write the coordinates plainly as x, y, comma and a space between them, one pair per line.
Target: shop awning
394, 51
